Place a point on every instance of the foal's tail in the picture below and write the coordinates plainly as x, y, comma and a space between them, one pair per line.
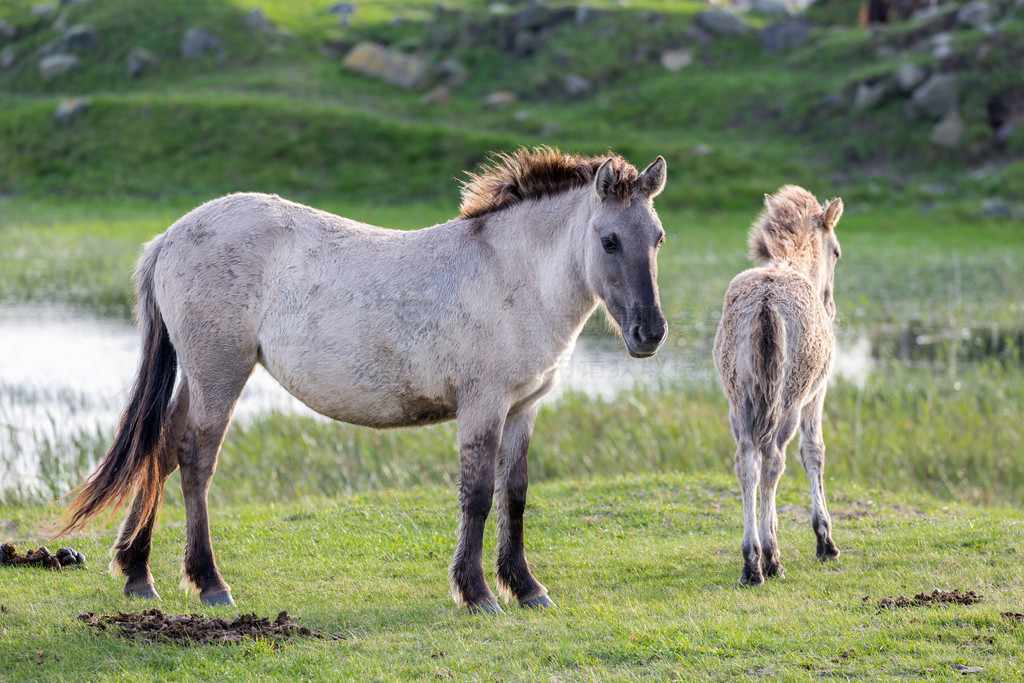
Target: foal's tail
131, 466
768, 351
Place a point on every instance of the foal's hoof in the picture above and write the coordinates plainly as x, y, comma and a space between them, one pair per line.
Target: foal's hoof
773, 570
218, 599
827, 551
485, 608
147, 591
539, 603
749, 579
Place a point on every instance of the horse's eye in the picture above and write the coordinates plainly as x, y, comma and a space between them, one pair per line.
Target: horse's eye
610, 243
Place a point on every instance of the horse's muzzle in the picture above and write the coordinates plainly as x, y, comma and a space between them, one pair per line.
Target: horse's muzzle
643, 341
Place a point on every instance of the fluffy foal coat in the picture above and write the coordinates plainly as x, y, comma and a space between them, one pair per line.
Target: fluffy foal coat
467, 320
773, 350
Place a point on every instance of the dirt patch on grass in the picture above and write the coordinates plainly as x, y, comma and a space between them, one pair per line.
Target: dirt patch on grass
153, 626
1015, 617
936, 597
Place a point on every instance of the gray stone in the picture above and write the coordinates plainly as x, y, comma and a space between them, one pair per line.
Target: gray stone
8, 56
577, 86
949, 130
344, 12
138, 61
198, 43
52, 47
440, 95
452, 73
498, 8
45, 11
942, 45
936, 96
586, 14
784, 35
258, 22
994, 207
676, 60
80, 37
772, 8
62, 23
1002, 136
870, 95
377, 61
499, 99
721, 22
55, 65
908, 76
975, 14
7, 30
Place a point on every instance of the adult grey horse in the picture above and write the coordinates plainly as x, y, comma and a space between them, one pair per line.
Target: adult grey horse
467, 320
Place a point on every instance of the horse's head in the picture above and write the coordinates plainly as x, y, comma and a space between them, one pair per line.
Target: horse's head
622, 253
796, 229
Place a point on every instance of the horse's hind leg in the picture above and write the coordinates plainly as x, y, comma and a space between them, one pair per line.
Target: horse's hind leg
131, 556
772, 466
214, 389
748, 472
514, 577
812, 452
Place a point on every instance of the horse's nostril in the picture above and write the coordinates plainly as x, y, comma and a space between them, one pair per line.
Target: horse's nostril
637, 333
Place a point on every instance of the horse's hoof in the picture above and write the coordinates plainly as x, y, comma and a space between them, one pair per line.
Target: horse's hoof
486, 608
774, 571
147, 592
539, 603
218, 599
750, 579
827, 551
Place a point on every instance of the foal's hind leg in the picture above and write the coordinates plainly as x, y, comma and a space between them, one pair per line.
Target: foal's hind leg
748, 472
214, 390
772, 467
514, 577
132, 555
812, 452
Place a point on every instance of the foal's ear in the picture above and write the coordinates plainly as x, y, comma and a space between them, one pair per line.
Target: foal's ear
652, 180
605, 179
833, 213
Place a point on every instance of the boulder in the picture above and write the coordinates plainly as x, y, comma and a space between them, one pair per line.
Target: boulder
80, 37
942, 45
198, 43
577, 86
70, 109
772, 8
8, 56
676, 60
908, 76
138, 61
44, 11
499, 99
975, 14
377, 61
936, 96
55, 65
452, 73
870, 95
784, 35
949, 130
344, 12
721, 22
258, 22
8, 31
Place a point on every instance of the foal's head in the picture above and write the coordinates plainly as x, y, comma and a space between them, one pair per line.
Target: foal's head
622, 251
795, 228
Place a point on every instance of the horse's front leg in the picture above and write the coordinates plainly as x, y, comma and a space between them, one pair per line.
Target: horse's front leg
514, 577
812, 453
479, 441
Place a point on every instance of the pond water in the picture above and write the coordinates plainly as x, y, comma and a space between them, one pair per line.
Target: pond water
64, 376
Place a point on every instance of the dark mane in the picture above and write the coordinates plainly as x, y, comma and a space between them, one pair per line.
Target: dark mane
511, 178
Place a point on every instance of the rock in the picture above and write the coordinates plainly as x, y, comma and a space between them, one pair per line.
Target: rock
936, 96
498, 8
586, 14
62, 23
377, 61
198, 43
8, 56
721, 22
676, 60
538, 16
1002, 135
55, 65
772, 8
577, 86
80, 37
908, 76
452, 73
784, 35
994, 207
975, 14
701, 150
8, 31
440, 95
344, 12
257, 22
870, 95
52, 47
942, 45
45, 11
948, 131
138, 61
499, 99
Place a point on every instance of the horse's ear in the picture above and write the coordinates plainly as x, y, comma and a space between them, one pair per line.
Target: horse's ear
652, 180
833, 213
605, 179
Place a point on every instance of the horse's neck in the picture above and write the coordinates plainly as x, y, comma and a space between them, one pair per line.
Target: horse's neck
542, 243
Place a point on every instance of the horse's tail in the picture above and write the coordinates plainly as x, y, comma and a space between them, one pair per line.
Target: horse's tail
768, 354
131, 466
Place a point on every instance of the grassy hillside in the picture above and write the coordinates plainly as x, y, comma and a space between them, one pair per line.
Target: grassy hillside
276, 110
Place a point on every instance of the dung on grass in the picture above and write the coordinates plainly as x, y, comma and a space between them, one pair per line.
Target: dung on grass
153, 626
